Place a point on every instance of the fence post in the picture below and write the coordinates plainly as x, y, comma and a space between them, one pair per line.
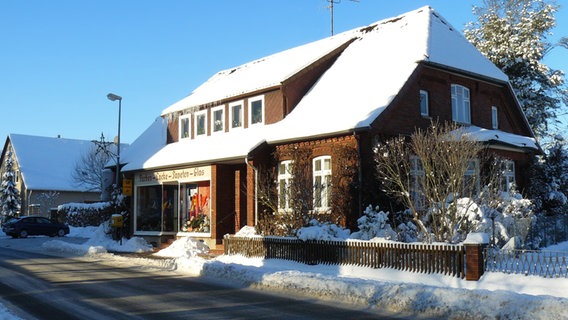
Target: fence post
474, 245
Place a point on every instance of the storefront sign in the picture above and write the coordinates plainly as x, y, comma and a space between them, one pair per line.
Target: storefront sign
181, 175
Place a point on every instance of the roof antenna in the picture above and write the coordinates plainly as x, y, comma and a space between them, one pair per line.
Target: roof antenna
332, 3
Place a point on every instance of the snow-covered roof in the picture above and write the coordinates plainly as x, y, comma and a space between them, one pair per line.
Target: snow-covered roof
350, 95
146, 145
48, 163
498, 136
260, 74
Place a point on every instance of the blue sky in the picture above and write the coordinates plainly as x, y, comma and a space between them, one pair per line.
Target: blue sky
60, 58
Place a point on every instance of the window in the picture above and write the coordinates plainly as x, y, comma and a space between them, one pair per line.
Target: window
417, 183
494, 118
184, 126
471, 179
322, 183
256, 110
218, 119
424, 102
201, 123
284, 179
460, 104
236, 115
507, 175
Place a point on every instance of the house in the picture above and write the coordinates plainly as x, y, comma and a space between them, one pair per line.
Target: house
323, 103
44, 169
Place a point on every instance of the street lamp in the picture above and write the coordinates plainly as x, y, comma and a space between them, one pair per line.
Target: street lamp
114, 97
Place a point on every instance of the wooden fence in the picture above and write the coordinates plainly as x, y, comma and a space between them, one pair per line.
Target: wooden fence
425, 258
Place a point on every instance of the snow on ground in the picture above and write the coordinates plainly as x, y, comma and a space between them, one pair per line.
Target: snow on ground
496, 295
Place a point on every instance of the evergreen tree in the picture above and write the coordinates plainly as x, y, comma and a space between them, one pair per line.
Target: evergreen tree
513, 35
10, 195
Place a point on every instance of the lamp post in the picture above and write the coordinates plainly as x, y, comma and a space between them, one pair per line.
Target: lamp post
114, 97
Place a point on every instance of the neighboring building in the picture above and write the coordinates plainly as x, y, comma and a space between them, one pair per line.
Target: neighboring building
44, 167
205, 154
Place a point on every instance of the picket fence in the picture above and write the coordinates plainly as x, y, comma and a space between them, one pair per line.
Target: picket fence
424, 258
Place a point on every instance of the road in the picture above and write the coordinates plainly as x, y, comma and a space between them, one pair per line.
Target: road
38, 286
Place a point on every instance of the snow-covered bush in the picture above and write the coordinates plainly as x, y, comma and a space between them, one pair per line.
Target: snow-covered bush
322, 231
85, 214
374, 224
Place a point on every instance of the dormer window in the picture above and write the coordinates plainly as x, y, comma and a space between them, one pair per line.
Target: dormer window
461, 111
201, 123
184, 127
256, 110
218, 119
236, 110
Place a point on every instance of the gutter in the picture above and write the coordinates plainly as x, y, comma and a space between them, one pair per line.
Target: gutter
255, 189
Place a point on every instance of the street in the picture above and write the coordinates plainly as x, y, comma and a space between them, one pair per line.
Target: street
44, 286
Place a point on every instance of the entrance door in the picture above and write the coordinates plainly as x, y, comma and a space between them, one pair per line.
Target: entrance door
170, 208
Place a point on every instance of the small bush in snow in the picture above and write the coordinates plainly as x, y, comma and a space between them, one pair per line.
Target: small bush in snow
374, 224
322, 231
85, 214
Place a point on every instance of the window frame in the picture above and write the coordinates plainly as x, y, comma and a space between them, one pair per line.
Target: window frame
508, 176
213, 127
417, 177
250, 113
424, 107
196, 125
181, 131
472, 171
286, 177
461, 104
241, 115
494, 118
322, 195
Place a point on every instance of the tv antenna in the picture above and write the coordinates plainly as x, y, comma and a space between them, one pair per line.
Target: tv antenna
332, 3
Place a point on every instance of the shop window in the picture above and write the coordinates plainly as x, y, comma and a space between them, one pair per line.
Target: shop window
236, 110
322, 183
195, 213
184, 127
460, 104
256, 110
148, 208
284, 180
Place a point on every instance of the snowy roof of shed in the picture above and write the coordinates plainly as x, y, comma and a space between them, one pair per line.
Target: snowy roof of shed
48, 163
364, 80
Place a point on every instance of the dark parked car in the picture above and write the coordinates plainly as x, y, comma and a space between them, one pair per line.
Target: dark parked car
32, 226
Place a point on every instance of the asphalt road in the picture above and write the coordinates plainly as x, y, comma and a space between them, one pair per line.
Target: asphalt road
34, 285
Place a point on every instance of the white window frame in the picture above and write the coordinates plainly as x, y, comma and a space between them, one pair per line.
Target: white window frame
508, 180
250, 113
196, 125
417, 177
494, 118
186, 117
284, 180
461, 104
241, 115
322, 189
473, 172
424, 103
213, 126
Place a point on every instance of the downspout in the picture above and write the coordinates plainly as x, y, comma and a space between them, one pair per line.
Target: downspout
359, 171
255, 189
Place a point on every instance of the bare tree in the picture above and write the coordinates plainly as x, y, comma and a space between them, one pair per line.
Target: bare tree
428, 173
88, 172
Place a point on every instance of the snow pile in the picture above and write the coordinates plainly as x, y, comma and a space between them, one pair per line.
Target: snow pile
98, 241
185, 247
373, 224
